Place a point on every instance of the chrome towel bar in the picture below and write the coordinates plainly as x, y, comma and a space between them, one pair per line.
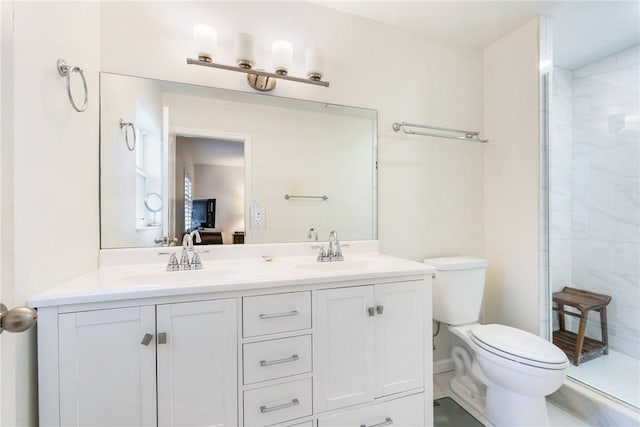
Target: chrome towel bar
291, 196
467, 135
65, 70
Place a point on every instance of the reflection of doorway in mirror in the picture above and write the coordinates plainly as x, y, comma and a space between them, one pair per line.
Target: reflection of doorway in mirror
215, 165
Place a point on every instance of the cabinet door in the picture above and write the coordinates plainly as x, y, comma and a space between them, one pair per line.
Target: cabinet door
344, 347
197, 363
399, 337
107, 373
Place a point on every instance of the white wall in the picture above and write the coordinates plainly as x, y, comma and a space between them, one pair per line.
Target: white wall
7, 372
511, 115
54, 187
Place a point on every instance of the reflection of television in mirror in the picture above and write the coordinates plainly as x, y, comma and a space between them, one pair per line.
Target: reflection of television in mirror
204, 213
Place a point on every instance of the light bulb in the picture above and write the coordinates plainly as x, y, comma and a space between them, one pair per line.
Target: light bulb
205, 39
314, 64
282, 56
245, 52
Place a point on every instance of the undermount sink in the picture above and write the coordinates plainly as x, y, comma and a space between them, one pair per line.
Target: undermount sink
187, 277
335, 265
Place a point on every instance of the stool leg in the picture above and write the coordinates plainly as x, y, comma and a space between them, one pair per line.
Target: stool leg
561, 316
603, 326
580, 337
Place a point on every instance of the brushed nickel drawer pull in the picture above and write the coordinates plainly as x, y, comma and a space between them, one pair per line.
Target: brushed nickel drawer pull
276, 315
293, 358
387, 422
264, 409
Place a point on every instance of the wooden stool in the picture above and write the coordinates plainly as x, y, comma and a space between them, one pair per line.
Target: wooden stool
578, 347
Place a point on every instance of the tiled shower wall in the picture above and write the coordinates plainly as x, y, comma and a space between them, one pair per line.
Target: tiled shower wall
606, 190
595, 190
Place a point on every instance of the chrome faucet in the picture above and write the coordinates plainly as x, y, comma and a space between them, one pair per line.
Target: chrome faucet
334, 251
187, 246
187, 240
333, 242
312, 233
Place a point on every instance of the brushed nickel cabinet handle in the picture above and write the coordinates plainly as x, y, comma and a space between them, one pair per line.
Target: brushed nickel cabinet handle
264, 409
162, 338
146, 340
387, 422
380, 309
293, 358
371, 311
276, 315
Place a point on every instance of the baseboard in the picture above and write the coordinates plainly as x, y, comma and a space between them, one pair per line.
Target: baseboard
599, 408
444, 365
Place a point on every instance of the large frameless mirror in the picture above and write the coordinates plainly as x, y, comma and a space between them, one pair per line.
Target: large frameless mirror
239, 167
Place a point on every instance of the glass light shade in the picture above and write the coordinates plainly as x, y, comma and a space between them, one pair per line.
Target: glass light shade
282, 56
245, 50
314, 63
205, 39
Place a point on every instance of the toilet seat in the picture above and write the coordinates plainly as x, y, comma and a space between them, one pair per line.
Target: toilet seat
519, 346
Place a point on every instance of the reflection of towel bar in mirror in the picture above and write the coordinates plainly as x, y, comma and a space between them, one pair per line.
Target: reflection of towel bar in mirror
291, 196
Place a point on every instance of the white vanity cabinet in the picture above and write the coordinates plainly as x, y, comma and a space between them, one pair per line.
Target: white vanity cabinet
107, 377
342, 348
107, 365
369, 343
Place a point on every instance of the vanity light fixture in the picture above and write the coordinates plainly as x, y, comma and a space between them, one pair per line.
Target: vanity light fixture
205, 39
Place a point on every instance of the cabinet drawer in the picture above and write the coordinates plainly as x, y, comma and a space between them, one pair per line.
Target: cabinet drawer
271, 359
278, 403
404, 412
270, 314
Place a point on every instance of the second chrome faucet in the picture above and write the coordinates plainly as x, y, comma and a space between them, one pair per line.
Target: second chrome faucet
195, 263
333, 252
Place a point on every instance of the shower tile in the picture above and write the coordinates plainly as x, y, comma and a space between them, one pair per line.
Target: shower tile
628, 58
603, 66
599, 254
628, 194
627, 256
580, 167
579, 220
580, 108
623, 226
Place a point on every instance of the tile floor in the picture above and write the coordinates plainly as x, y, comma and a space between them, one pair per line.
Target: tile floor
558, 416
616, 374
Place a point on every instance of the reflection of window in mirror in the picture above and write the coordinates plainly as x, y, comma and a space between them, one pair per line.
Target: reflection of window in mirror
188, 202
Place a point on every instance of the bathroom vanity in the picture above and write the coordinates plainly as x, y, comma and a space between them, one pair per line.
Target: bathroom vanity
261, 336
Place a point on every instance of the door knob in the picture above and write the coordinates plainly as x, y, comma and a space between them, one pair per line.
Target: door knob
18, 319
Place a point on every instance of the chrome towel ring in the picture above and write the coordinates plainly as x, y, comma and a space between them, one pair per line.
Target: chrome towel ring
124, 125
65, 70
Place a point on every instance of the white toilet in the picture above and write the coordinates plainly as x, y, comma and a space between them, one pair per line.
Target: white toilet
512, 370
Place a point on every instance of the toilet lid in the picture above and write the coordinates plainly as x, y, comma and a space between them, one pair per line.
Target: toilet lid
519, 345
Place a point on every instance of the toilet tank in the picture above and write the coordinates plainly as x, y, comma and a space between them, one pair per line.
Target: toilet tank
457, 289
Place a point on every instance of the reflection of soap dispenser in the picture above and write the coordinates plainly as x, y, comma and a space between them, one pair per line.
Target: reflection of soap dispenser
258, 214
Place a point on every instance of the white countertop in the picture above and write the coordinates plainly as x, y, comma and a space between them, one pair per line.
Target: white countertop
151, 280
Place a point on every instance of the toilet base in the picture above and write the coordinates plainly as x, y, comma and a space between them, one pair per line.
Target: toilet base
466, 384
505, 408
